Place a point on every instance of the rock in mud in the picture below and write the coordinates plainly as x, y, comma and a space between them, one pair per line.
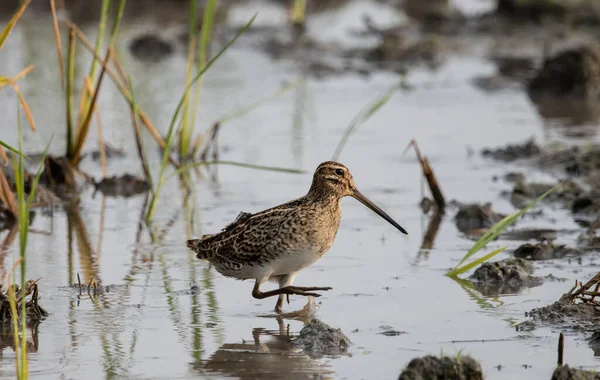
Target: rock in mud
473, 217
444, 368
150, 47
545, 250
317, 339
126, 185
564, 372
504, 277
514, 152
573, 73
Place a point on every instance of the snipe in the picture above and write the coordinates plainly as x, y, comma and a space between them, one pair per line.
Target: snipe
275, 244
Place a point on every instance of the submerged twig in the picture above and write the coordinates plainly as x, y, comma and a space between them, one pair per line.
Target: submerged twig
561, 348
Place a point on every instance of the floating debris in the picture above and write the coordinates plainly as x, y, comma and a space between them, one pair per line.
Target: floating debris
317, 339
431, 367
390, 331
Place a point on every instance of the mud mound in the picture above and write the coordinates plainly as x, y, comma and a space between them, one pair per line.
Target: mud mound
434, 368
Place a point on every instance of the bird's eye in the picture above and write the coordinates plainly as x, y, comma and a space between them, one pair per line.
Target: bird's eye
339, 171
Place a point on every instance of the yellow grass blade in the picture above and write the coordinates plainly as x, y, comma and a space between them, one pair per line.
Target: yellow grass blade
3, 155
25, 106
58, 45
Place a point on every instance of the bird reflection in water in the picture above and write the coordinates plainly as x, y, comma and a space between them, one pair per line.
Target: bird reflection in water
270, 355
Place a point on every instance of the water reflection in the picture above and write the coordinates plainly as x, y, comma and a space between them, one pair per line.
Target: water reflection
569, 118
271, 354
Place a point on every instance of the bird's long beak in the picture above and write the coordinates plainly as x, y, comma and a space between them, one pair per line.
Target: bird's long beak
365, 201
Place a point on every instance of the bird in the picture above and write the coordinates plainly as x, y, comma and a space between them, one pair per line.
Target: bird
275, 244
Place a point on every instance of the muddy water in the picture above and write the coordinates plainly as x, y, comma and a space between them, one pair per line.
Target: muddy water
149, 325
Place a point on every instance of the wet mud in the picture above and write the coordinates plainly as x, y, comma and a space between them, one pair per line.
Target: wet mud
568, 373
546, 250
508, 276
432, 367
317, 339
472, 217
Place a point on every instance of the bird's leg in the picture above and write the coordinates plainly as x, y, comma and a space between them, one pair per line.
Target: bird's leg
285, 280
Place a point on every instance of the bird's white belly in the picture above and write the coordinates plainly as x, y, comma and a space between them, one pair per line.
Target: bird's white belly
294, 261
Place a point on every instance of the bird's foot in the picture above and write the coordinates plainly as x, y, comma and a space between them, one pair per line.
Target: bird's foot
304, 291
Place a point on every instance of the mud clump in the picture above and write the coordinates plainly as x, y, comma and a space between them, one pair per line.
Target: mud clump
34, 312
150, 48
504, 277
395, 51
473, 217
577, 12
126, 185
62, 178
545, 250
564, 372
513, 152
317, 339
573, 73
431, 367
524, 193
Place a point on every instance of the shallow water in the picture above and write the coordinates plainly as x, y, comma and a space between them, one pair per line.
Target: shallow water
148, 327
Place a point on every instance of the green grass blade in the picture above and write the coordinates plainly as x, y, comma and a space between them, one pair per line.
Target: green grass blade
497, 228
69, 93
185, 132
364, 114
474, 263
247, 109
14, 150
208, 65
161, 179
38, 174
100, 36
23, 229
191, 165
205, 34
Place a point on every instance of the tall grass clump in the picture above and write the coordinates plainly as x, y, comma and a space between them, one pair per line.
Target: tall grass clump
77, 128
490, 235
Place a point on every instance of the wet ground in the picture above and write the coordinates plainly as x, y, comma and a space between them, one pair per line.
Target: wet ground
166, 315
